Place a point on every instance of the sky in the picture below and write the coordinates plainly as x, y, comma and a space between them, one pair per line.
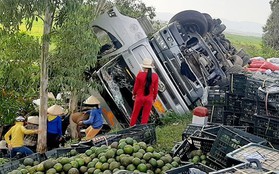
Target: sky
235, 10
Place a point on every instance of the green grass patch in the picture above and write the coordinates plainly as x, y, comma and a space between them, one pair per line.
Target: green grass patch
37, 28
253, 40
171, 131
250, 44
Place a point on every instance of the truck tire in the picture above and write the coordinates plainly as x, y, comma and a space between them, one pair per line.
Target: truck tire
236, 60
234, 69
209, 22
192, 21
241, 53
245, 60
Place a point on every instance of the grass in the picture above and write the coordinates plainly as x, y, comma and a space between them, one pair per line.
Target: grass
37, 28
171, 131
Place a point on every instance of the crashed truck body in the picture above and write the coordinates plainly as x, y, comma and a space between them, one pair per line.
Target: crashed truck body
189, 54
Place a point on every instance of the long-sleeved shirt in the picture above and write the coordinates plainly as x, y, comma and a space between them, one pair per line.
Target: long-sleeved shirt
95, 119
17, 135
140, 85
54, 125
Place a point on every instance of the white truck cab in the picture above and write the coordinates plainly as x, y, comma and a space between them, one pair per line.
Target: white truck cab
185, 63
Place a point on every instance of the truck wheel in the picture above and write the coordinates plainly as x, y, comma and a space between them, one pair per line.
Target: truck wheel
241, 53
245, 60
234, 69
236, 60
209, 22
192, 21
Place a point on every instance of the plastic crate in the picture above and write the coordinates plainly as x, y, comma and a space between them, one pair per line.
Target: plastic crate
185, 169
64, 152
252, 167
145, 133
105, 139
190, 129
10, 166
237, 84
267, 128
211, 132
36, 157
201, 142
268, 108
216, 96
249, 108
269, 93
231, 118
216, 114
228, 139
267, 156
182, 149
234, 102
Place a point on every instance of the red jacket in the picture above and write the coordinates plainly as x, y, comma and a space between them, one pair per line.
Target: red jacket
140, 85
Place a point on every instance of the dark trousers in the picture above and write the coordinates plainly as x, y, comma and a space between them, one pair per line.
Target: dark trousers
52, 141
24, 150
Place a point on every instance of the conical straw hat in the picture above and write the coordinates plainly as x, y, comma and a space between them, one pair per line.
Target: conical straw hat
91, 101
3, 144
147, 63
51, 96
55, 110
33, 119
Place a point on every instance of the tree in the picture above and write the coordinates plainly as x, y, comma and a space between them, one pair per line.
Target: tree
76, 50
13, 13
19, 74
271, 29
134, 8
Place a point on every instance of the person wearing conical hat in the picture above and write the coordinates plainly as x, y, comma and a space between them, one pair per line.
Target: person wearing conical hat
31, 140
54, 126
3, 148
14, 137
95, 120
145, 92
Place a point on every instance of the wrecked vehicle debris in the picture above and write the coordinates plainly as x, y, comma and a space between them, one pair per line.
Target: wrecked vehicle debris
190, 53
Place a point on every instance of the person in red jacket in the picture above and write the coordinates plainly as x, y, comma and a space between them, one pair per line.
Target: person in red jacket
145, 92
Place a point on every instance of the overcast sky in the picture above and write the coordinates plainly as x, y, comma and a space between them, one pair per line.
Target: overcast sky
236, 10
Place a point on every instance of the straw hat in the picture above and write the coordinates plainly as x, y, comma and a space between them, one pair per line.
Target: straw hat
20, 119
55, 110
147, 63
51, 96
92, 101
3, 144
33, 119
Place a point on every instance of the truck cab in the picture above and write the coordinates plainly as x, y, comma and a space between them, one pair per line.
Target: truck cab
184, 61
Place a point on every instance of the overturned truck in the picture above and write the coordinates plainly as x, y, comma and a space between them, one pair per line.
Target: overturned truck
189, 53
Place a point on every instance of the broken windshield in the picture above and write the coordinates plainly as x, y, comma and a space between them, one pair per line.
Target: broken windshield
109, 43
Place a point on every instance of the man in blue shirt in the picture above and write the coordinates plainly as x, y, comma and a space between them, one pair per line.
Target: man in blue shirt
54, 126
95, 119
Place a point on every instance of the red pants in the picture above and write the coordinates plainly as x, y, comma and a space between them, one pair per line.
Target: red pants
144, 102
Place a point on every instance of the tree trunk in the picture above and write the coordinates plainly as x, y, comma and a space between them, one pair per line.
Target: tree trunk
72, 109
42, 137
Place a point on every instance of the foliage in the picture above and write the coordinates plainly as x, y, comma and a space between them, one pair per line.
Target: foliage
13, 13
19, 73
134, 8
271, 32
172, 130
76, 50
157, 24
172, 117
252, 45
